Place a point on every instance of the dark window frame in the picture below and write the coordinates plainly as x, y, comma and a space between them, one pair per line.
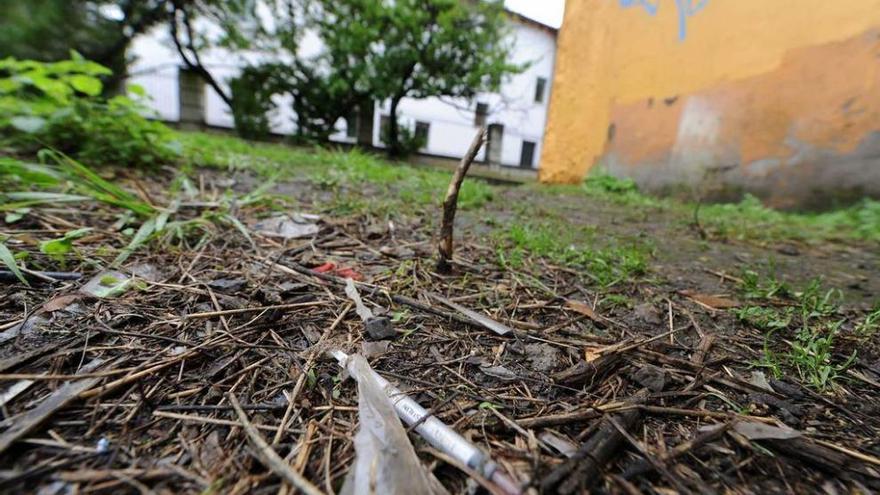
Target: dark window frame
423, 128
351, 124
531, 146
540, 89
481, 114
384, 123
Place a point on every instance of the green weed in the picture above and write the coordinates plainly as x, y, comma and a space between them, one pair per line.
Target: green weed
813, 320
9, 260
764, 318
553, 241
869, 326
754, 286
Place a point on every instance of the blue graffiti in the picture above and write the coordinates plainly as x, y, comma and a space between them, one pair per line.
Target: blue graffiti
686, 10
650, 7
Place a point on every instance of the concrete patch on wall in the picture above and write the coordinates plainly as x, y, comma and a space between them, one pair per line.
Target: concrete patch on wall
696, 144
800, 134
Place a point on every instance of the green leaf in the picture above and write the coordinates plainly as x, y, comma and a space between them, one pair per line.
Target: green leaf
52, 88
9, 85
28, 123
14, 216
63, 245
30, 173
137, 90
8, 259
86, 84
56, 247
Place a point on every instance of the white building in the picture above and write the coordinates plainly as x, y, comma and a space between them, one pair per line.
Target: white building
515, 115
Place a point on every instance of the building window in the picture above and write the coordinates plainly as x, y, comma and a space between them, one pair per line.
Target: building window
384, 123
527, 156
422, 131
540, 88
351, 125
192, 97
481, 114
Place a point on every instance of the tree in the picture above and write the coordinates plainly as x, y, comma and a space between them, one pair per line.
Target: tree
324, 85
387, 50
233, 18
428, 48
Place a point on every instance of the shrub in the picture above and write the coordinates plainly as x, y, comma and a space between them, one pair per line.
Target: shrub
59, 105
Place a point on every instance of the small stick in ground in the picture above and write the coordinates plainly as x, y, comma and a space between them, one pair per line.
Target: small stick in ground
268, 456
451, 202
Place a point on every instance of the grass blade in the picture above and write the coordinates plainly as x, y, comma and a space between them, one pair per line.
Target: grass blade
95, 186
8, 259
140, 238
29, 173
240, 227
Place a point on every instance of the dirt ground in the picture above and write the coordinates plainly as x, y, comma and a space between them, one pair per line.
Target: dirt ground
666, 382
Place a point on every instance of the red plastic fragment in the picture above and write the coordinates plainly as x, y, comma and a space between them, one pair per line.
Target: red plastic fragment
326, 267
332, 269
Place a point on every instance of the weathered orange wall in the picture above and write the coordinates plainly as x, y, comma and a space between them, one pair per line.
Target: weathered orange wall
777, 97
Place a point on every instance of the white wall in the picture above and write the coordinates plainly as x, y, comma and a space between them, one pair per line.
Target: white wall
451, 120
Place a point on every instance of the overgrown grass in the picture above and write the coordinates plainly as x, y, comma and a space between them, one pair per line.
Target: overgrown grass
557, 242
748, 219
806, 330
751, 220
332, 170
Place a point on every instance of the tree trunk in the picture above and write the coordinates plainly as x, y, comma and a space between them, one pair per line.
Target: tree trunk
393, 143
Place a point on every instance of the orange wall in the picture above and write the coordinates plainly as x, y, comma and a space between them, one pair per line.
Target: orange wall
770, 94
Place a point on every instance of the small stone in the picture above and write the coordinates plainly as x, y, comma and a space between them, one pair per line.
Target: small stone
543, 357
759, 380
788, 250
107, 284
380, 328
648, 313
651, 377
292, 226
228, 284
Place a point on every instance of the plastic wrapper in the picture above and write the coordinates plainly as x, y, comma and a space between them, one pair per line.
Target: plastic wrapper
386, 462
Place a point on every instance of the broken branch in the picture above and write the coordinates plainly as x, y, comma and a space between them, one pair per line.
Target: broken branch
450, 204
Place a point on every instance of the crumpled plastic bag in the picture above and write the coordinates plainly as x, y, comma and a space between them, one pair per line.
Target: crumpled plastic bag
385, 461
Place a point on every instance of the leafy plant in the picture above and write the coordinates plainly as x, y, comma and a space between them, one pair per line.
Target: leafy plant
811, 351
59, 105
812, 355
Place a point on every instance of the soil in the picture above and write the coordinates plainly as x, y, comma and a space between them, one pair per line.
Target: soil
661, 395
